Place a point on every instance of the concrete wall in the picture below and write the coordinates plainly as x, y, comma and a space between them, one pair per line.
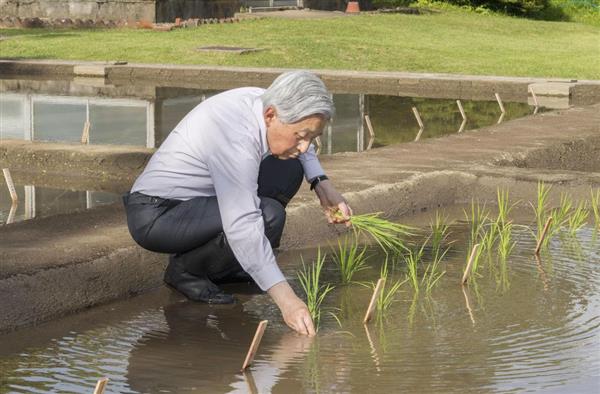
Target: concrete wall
113, 10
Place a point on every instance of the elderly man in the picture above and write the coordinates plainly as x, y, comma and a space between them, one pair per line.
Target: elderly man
214, 194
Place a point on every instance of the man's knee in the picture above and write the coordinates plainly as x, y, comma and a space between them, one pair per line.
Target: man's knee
274, 218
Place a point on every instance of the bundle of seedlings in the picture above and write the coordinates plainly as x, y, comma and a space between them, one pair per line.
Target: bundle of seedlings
388, 235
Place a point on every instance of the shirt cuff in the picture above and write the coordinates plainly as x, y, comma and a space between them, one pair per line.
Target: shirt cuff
310, 164
268, 276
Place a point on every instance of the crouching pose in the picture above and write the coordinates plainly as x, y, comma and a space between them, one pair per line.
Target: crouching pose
214, 194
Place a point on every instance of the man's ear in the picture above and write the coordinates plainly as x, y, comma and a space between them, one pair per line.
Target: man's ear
270, 115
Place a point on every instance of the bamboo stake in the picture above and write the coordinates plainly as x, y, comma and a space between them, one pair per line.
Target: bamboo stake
469, 264
260, 330
100, 386
418, 117
541, 240
252, 389
369, 126
501, 118
499, 100
374, 354
371, 307
419, 121
85, 135
541, 271
535, 100
11, 213
461, 109
462, 126
468, 303
11, 185
371, 132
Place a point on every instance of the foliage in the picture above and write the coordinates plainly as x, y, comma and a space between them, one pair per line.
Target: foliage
387, 234
449, 42
351, 258
315, 292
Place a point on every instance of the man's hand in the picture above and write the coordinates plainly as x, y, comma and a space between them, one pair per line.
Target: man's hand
334, 204
293, 309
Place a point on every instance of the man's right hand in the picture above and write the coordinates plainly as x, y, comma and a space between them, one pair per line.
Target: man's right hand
294, 311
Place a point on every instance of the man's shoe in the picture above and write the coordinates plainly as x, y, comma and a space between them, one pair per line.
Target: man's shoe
193, 287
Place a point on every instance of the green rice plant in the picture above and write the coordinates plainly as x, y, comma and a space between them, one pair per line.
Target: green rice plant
596, 206
310, 277
505, 242
387, 293
388, 235
478, 218
488, 241
578, 217
350, 258
541, 210
503, 207
412, 259
439, 235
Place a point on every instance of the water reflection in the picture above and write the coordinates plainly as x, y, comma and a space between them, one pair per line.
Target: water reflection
38, 202
538, 334
117, 115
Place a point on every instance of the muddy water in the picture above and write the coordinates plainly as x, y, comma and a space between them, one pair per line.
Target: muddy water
114, 117
38, 202
525, 326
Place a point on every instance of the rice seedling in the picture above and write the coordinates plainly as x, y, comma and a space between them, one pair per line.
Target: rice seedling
309, 278
596, 206
412, 259
577, 219
439, 235
387, 294
488, 241
541, 210
505, 242
350, 258
387, 234
478, 218
503, 207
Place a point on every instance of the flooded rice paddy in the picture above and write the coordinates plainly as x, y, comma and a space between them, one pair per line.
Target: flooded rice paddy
59, 110
528, 325
39, 202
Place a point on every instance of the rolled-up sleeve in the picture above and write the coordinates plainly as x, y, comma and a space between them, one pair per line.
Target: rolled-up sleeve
234, 171
310, 164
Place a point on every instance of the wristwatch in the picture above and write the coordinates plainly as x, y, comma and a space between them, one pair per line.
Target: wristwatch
317, 180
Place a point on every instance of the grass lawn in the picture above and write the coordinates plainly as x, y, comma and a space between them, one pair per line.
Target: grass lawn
449, 42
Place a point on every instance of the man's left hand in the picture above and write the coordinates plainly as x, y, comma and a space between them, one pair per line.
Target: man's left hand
334, 205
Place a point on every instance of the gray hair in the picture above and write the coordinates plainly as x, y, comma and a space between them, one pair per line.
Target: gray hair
296, 95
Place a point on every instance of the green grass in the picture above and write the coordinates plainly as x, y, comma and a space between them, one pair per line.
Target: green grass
452, 41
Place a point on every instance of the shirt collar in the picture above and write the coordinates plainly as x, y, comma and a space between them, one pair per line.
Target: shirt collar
258, 113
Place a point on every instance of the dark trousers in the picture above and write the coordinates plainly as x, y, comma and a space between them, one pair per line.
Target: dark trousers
192, 231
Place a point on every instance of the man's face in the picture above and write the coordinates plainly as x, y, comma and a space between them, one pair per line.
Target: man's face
289, 140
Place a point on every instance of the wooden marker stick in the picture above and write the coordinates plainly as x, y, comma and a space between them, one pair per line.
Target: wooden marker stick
255, 342
469, 264
85, 135
544, 231
499, 100
462, 126
100, 386
11, 213
461, 109
418, 117
11, 185
369, 126
371, 307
